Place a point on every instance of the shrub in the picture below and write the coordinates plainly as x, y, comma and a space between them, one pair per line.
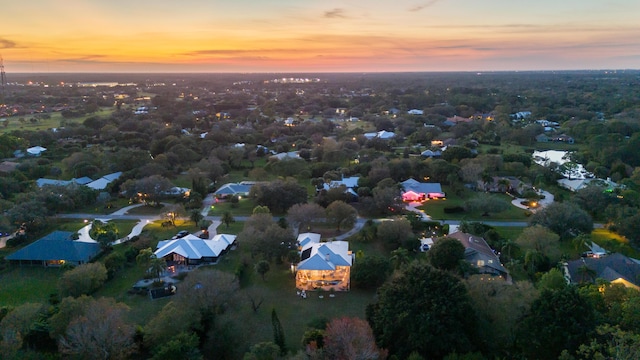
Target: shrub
83, 280
453, 210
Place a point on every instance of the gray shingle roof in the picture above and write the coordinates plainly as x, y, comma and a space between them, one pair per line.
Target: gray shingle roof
418, 187
610, 267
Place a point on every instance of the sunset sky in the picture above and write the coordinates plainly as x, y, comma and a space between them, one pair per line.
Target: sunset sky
318, 35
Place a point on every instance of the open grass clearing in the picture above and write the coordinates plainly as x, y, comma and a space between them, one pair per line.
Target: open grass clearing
23, 284
244, 207
104, 209
614, 243
509, 232
124, 227
147, 210
234, 228
159, 232
279, 293
435, 209
55, 120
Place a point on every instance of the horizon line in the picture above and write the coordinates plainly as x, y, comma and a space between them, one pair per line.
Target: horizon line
325, 72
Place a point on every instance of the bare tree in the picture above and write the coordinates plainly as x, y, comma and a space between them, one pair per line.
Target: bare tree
100, 333
300, 216
208, 289
255, 296
351, 338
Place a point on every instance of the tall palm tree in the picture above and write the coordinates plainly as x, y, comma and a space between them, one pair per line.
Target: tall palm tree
227, 218
586, 273
533, 259
486, 179
400, 258
157, 266
508, 248
504, 185
581, 241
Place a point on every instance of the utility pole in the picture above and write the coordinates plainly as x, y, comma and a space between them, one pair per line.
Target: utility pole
3, 80
3, 76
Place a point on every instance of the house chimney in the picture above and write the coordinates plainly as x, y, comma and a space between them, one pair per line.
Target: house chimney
327, 257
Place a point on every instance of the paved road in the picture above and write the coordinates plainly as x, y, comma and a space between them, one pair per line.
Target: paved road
503, 223
143, 220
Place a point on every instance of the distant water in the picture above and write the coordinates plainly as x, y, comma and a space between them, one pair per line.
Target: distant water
572, 170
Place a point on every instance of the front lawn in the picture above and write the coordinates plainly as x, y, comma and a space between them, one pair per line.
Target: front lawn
244, 207
103, 209
436, 209
509, 232
234, 228
279, 293
147, 210
124, 227
23, 284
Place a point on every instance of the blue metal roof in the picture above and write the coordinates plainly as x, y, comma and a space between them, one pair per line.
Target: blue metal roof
57, 246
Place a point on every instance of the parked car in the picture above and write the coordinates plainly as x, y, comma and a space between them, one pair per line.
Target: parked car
181, 234
594, 254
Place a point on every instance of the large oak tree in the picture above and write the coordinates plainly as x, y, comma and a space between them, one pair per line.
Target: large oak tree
423, 310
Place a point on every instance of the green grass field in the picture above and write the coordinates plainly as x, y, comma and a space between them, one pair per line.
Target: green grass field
54, 121
279, 293
435, 209
509, 232
614, 243
244, 207
25, 284
101, 209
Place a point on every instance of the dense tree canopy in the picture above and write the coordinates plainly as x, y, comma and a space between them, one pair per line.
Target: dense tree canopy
423, 310
558, 320
279, 195
446, 254
565, 219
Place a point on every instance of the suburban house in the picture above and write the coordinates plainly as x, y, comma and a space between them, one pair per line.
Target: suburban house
614, 268
521, 115
560, 138
323, 265
99, 184
305, 239
452, 121
382, 134
350, 184
414, 190
285, 156
415, 112
480, 255
191, 250
234, 189
564, 138
431, 154
578, 184
542, 138
56, 249
502, 184
36, 150
102, 183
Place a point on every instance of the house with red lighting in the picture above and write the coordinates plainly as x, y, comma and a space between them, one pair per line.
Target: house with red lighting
414, 190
